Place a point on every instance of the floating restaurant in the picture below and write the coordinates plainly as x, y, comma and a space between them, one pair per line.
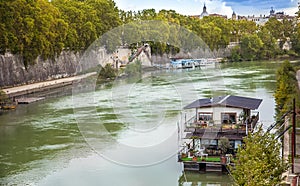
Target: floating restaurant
217, 121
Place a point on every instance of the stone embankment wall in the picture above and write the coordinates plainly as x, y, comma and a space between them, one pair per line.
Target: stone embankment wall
68, 63
13, 71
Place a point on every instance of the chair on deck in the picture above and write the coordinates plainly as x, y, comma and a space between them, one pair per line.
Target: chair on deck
201, 153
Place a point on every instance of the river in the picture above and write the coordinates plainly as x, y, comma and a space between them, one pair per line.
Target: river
122, 133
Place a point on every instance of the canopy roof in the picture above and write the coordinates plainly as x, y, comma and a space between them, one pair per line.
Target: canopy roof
227, 101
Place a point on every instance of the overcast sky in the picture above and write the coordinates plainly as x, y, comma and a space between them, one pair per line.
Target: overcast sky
225, 7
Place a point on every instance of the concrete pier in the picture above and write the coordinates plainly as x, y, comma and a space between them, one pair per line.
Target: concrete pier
28, 100
18, 92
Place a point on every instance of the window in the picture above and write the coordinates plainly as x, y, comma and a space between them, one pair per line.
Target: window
205, 116
228, 118
237, 143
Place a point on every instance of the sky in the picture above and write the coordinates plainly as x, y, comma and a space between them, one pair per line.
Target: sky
224, 7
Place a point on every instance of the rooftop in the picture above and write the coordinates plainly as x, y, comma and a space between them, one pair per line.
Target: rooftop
226, 101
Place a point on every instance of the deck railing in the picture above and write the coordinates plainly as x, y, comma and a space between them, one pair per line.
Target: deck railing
243, 126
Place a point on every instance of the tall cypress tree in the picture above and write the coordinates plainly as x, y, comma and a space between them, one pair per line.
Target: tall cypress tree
286, 88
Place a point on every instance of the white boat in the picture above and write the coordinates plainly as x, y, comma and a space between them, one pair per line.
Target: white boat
191, 63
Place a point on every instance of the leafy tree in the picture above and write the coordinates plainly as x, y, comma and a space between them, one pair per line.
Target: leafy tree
3, 98
30, 29
275, 27
298, 13
211, 35
286, 88
224, 145
235, 54
270, 47
288, 27
134, 68
107, 14
251, 46
258, 161
107, 72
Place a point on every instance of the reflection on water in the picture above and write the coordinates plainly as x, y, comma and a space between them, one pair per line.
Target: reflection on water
204, 179
111, 136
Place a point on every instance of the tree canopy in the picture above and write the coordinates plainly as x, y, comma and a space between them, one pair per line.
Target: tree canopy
32, 28
41, 28
286, 88
258, 161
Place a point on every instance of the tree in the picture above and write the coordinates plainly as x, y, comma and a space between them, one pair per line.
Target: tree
3, 98
235, 54
286, 88
251, 46
107, 72
224, 145
31, 29
275, 27
295, 38
298, 13
258, 161
270, 46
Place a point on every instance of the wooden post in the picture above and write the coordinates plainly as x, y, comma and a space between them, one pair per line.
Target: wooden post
193, 143
286, 141
294, 136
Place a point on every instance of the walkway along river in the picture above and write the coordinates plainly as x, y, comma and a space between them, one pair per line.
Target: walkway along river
121, 134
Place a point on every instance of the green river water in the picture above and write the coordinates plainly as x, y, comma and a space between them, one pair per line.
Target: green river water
123, 133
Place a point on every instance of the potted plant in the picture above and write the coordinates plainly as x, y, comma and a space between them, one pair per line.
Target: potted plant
223, 145
195, 158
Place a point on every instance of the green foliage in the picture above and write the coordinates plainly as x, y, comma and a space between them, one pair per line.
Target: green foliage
258, 161
286, 88
235, 54
296, 39
28, 31
4, 98
275, 27
87, 20
107, 72
270, 47
134, 68
251, 46
224, 145
41, 28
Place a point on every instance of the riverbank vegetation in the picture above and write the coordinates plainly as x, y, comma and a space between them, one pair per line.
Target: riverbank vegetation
258, 161
41, 28
286, 89
108, 73
4, 99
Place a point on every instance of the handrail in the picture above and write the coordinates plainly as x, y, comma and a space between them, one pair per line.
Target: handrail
190, 121
278, 121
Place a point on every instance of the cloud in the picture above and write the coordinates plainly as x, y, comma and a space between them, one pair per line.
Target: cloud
291, 11
220, 7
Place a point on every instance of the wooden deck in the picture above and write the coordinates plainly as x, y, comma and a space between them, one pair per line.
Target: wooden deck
28, 100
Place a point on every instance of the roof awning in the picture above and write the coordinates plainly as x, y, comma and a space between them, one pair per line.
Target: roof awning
226, 101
